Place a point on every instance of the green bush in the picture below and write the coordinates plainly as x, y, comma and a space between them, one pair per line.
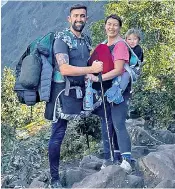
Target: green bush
13, 113
154, 93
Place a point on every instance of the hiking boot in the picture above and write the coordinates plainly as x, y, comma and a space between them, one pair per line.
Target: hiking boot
126, 166
56, 184
106, 163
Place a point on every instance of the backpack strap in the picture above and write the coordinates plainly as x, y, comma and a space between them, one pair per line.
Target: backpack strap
68, 37
129, 67
62, 115
67, 87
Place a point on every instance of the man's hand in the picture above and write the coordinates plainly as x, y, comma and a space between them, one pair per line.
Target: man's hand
97, 66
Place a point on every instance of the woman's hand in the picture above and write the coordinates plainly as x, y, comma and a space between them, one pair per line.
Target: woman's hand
92, 77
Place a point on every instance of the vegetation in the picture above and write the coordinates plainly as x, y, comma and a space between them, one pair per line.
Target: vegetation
154, 94
153, 97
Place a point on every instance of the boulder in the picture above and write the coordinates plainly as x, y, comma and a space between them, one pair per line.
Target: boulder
166, 184
91, 162
135, 122
164, 136
112, 176
135, 181
139, 151
140, 137
76, 175
160, 164
37, 184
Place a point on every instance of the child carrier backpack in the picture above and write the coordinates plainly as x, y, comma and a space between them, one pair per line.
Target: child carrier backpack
103, 53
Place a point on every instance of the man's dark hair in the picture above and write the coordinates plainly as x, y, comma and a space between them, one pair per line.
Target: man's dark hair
78, 6
114, 16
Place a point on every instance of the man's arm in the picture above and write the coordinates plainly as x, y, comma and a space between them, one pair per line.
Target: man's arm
69, 70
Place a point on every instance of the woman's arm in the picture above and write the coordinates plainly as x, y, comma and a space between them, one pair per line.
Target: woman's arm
118, 70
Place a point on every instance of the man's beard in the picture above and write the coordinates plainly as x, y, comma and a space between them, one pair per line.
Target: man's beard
78, 28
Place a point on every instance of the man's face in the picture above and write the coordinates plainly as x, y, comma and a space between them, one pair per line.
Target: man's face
78, 19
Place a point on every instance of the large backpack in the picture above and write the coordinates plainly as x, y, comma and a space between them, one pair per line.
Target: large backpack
30, 64
29, 67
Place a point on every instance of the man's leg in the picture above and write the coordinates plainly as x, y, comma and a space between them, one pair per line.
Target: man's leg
57, 135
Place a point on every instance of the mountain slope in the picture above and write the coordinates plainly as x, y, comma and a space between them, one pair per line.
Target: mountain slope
22, 22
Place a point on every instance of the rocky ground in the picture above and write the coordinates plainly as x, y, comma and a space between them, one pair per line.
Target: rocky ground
154, 152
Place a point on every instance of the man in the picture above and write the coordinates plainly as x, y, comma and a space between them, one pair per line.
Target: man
71, 55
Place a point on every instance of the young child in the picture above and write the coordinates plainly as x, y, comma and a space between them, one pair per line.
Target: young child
132, 37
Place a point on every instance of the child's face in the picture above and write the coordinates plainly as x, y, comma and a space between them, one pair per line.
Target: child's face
132, 40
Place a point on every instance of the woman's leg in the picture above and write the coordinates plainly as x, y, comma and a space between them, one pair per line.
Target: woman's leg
119, 114
117, 154
106, 145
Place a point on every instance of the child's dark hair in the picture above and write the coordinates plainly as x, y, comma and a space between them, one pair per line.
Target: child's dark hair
114, 16
78, 6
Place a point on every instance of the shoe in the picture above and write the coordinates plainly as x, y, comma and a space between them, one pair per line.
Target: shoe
106, 163
56, 184
126, 166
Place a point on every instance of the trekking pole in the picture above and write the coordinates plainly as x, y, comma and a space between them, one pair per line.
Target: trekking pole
87, 136
106, 119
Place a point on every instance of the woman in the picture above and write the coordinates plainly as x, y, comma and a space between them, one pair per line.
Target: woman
120, 56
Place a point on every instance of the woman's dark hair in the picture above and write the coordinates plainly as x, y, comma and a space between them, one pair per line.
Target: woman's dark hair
78, 6
114, 16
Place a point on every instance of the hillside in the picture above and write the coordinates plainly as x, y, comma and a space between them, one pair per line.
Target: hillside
24, 21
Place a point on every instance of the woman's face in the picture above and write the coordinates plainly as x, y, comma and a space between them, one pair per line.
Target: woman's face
112, 27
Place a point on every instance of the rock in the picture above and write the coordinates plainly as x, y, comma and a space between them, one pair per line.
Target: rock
18, 184
171, 127
37, 184
165, 147
5, 181
160, 164
76, 175
111, 177
166, 184
91, 162
165, 136
135, 181
135, 122
140, 137
45, 176
139, 151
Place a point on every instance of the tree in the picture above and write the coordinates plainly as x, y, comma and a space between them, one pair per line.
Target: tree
154, 94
